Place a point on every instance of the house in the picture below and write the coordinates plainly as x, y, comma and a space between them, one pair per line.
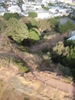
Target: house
58, 11
44, 15
71, 33
65, 1
71, 38
14, 8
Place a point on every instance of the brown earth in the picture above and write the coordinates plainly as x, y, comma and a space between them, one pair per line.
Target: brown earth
27, 87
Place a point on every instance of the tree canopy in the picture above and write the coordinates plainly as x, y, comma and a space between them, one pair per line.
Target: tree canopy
32, 14
18, 30
33, 35
53, 22
66, 27
7, 16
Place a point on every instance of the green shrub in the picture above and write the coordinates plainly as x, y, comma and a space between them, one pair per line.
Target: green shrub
65, 70
23, 69
32, 14
33, 35
44, 25
2, 26
46, 8
53, 22
18, 30
7, 16
66, 27
51, 4
21, 66
33, 23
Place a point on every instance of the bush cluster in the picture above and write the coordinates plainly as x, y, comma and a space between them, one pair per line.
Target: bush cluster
7, 16
46, 8
66, 27
32, 14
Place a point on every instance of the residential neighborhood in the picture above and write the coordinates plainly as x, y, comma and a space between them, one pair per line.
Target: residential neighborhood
59, 7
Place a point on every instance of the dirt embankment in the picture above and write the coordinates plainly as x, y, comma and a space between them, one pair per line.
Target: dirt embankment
16, 87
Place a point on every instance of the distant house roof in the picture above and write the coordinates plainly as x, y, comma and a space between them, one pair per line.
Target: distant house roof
71, 33
71, 38
14, 8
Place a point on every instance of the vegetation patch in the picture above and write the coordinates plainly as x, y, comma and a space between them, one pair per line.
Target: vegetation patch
7, 16
21, 66
32, 14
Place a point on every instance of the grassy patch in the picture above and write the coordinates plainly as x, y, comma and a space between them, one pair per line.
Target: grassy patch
21, 66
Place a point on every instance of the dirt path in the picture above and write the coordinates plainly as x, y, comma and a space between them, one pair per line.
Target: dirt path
9, 74
49, 81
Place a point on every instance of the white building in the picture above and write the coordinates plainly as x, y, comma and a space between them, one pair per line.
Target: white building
14, 8
58, 11
65, 1
52, 1
71, 38
44, 15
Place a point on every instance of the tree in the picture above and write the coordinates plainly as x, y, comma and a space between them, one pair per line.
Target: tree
44, 7
2, 26
59, 49
32, 14
51, 4
53, 22
7, 16
44, 25
33, 35
19, 2
33, 23
18, 30
66, 27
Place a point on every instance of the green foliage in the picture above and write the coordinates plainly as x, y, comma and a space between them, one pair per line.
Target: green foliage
32, 14
18, 30
72, 17
46, 8
67, 60
69, 43
41, 25
7, 16
69, 15
21, 66
33, 23
19, 2
64, 55
53, 22
59, 49
36, 30
2, 26
44, 25
33, 35
51, 4
65, 70
65, 27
